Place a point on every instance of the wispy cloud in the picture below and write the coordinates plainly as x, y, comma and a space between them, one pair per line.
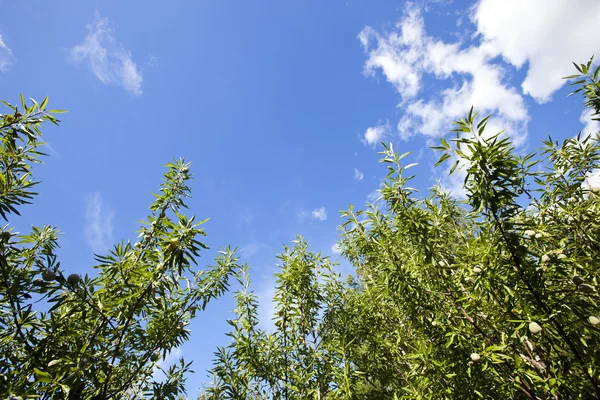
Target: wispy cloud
374, 195
590, 126
256, 251
454, 184
6, 57
108, 60
335, 249
152, 61
319, 214
375, 134
407, 53
98, 223
564, 31
358, 175
266, 304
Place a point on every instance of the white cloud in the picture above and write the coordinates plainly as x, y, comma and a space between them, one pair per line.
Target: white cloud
358, 175
6, 57
375, 134
374, 195
593, 180
398, 54
540, 35
108, 60
590, 126
250, 250
98, 223
319, 214
266, 305
454, 184
544, 35
152, 61
407, 53
335, 249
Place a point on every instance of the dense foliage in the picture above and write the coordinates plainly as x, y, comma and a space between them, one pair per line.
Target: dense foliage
67, 336
495, 297
492, 297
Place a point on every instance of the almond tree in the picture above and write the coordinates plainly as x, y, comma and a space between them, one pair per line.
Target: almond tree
493, 297
295, 360
63, 335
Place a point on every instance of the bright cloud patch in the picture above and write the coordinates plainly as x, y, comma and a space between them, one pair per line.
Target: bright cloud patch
375, 134
358, 175
407, 53
590, 126
266, 305
6, 57
335, 249
98, 223
593, 180
544, 35
319, 214
108, 60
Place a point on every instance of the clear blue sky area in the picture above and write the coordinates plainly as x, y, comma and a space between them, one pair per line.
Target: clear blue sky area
278, 104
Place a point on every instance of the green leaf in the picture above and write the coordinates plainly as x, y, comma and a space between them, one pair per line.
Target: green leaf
44, 103
42, 376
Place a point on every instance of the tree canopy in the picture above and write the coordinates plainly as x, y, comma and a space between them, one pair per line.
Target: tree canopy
494, 296
69, 336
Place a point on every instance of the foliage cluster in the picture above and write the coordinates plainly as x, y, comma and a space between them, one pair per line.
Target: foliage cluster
67, 336
492, 297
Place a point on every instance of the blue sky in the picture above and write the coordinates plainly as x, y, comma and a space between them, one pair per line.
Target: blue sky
279, 104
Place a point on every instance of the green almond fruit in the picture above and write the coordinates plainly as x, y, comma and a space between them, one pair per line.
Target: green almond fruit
73, 279
585, 288
48, 276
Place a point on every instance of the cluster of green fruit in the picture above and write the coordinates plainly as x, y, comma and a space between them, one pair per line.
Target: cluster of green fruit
50, 276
